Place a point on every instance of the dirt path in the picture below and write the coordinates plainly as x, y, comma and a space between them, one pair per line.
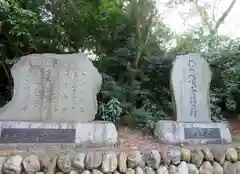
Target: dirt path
235, 128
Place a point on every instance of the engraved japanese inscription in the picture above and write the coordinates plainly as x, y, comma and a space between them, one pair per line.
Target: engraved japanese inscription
190, 80
193, 86
202, 133
53, 87
30, 135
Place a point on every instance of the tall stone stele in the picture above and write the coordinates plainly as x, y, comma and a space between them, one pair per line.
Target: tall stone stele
57, 91
190, 83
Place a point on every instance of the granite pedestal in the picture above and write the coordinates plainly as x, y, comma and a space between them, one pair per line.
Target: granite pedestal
173, 132
97, 133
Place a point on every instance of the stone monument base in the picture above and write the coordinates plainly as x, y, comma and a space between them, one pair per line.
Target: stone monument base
94, 133
173, 132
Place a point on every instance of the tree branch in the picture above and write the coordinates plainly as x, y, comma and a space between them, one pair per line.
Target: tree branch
213, 11
145, 39
225, 14
204, 20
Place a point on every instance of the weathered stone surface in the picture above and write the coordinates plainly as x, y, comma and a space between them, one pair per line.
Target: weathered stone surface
192, 169
48, 163
225, 164
139, 170
148, 170
174, 156
84, 133
74, 172
78, 161
109, 162
93, 160
217, 168
122, 162
208, 156
219, 154
206, 172
185, 155
238, 151
165, 156
94, 171
237, 165
190, 77
130, 171
47, 87
162, 170
229, 168
173, 169
31, 164
206, 167
173, 132
152, 159
13, 165
96, 132
2, 159
59, 173
116, 172
42, 163
231, 154
86, 172
135, 159
197, 157
183, 168
64, 163
39, 172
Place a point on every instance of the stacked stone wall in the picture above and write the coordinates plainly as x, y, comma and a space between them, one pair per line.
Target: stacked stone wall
172, 161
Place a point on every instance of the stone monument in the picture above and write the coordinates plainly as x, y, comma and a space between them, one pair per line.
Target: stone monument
190, 79
54, 101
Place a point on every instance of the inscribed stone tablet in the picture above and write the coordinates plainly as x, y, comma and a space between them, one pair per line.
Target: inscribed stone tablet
53, 87
25, 135
202, 133
190, 78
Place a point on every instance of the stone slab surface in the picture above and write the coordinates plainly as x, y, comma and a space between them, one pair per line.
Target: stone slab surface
85, 133
190, 81
173, 132
26, 135
53, 87
200, 132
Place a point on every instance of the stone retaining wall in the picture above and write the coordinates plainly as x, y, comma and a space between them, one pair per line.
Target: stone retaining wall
173, 161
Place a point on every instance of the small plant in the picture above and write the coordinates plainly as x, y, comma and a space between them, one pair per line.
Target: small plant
216, 111
111, 111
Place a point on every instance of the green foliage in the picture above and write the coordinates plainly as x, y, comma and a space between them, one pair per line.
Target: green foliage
111, 111
131, 46
225, 84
